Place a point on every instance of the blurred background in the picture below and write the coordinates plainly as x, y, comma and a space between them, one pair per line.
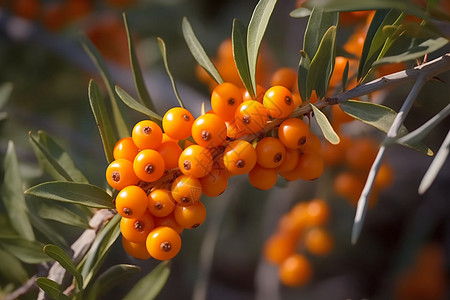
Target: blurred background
404, 249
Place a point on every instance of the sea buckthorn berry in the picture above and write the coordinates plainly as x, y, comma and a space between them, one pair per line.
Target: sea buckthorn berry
361, 154
160, 202
191, 216
196, 161
318, 212
260, 91
262, 178
334, 155
349, 186
293, 133
169, 221
312, 145
279, 102
251, 116
137, 250
27, 9
290, 160
225, 98
170, 152
286, 77
239, 157
125, 148
296, 270
233, 131
177, 123
294, 222
167, 138
147, 135
186, 190
209, 130
131, 202
136, 230
318, 241
339, 116
309, 167
279, 247
163, 243
270, 152
215, 183
120, 174
149, 165
384, 176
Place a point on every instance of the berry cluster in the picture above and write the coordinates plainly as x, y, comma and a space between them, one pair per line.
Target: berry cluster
301, 228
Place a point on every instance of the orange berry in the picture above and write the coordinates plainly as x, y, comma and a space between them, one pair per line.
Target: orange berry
295, 221
186, 190
334, 155
160, 202
147, 135
260, 91
309, 167
27, 9
215, 183
270, 152
318, 212
131, 202
339, 116
279, 102
361, 154
191, 216
167, 138
239, 157
225, 50
125, 148
355, 43
286, 77
296, 270
278, 247
297, 99
209, 131
169, 221
120, 174
137, 250
348, 185
170, 152
177, 123
312, 145
233, 131
225, 99
54, 16
136, 230
293, 133
262, 178
77, 9
149, 165
318, 241
384, 176
251, 116
196, 161
163, 243
290, 160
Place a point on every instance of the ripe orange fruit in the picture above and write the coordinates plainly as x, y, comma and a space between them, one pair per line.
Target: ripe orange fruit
225, 99
163, 243
286, 77
215, 183
160, 202
263, 178
191, 216
131, 202
296, 270
239, 157
186, 190
318, 241
209, 130
120, 174
136, 230
125, 148
137, 250
147, 135
177, 123
293, 133
170, 152
196, 161
279, 102
251, 116
278, 248
149, 165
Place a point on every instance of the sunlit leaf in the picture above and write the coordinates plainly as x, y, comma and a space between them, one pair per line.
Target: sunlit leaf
149, 287
325, 126
102, 119
302, 77
12, 268
62, 214
64, 260
137, 106
29, 252
239, 38
198, 52
51, 288
72, 192
256, 30
5, 91
13, 197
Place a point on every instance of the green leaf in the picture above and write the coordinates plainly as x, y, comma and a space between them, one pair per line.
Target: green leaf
110, 278
62, 214
102, 119
100, 247
47, 230
239, 38
65, 261
322, 65
29, 252
135, 105
415, 52
11, 268
318, 24
325, 126
51, 288
149, 287
13, 197
5, 92
198, 52
141, 89
303, 68
94, 54
255, 33
345, 77
300, 12
380, 117
162, 48
72, 192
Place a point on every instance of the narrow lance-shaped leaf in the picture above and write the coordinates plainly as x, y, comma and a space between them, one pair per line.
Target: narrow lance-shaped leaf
62, 214
162, 48
142, 91
13, 197
94, 54
255, 33
29, 252
239, 38
198, 52
325, 126
72, 192
137, 106
51, 288
149, 287
302, 77
5, 92
345, 77
12, 268
45, 228
64, 260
